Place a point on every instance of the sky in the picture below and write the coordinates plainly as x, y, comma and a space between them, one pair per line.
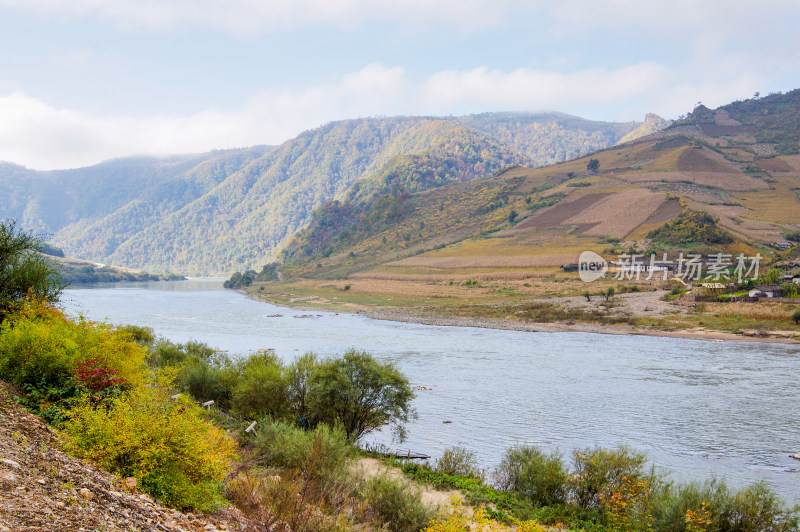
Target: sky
83, 81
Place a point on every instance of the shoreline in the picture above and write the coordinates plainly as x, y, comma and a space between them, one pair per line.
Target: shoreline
407, 316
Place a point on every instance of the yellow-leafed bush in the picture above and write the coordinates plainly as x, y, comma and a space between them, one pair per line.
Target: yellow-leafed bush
459, 519
41, 348
179, 457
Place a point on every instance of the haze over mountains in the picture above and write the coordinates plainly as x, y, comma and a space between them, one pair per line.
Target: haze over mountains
222, 211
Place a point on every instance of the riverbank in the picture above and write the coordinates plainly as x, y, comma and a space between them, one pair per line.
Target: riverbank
648, 313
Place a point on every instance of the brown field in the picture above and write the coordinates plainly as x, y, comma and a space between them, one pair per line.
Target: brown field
775, 164
705, 160
618, 214
722, 118
727, 131
779, 205
490, 261
791, 160
732, 181
560, 212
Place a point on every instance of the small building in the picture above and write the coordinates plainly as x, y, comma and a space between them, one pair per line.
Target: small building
792, 278
710, 289
768, 290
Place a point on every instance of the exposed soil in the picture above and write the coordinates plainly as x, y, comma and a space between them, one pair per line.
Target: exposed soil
42, 488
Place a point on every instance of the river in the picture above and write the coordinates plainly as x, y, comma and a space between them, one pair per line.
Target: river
697, 408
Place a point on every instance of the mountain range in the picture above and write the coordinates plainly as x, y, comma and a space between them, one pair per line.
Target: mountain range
212, 213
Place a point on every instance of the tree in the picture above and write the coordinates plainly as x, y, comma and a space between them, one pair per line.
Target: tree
609, 293
593, 165
796, 316
361, 394
298, 376
587, 295
24, 270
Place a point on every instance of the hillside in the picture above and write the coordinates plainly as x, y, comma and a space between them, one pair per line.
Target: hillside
735, 164
216, 212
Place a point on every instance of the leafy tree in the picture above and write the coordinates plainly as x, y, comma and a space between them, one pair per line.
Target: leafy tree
298, 376
796, 316
609, 293
360, 393
23, 269
593, 165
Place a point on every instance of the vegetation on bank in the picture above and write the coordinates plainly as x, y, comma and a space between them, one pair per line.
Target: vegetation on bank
132, 403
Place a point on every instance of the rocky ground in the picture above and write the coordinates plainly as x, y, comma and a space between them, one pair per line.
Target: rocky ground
42, 488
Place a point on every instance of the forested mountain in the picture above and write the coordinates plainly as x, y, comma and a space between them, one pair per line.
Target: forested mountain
735, 169
217, 212
549, 137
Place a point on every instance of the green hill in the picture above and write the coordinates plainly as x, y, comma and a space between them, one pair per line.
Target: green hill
214, 213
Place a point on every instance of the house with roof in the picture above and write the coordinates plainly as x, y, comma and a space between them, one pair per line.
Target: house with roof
767, 290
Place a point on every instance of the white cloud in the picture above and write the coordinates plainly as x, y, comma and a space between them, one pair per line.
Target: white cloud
535, 89
42, 136
255, 16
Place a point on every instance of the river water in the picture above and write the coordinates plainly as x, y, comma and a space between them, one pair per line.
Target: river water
697, 408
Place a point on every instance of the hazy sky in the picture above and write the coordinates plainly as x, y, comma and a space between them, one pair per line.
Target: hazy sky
87, 80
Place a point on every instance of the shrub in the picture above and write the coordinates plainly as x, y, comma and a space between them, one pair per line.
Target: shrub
275, 503
178, 456
796, 316
460, 462
458, 519
540, 477
260, 387
396, 505
40, 348
712, 506
600, 471
205, 382
320, 452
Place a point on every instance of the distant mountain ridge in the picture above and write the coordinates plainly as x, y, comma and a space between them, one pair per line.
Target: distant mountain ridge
737, 166
217, 212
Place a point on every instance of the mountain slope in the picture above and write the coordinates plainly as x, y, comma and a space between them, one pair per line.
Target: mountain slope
212, 213
528, 218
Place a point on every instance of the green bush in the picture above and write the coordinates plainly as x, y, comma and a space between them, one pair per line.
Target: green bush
320, 452
540, 477
598, 472
458, 461
396, 505
751, 509
260, 387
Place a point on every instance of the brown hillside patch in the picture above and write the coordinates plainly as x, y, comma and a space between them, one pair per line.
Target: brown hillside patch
494, 261
693, 160
557, 214
731, 181
666, 212
618, 214
791, 160
722, 118
775, 164
714, 130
